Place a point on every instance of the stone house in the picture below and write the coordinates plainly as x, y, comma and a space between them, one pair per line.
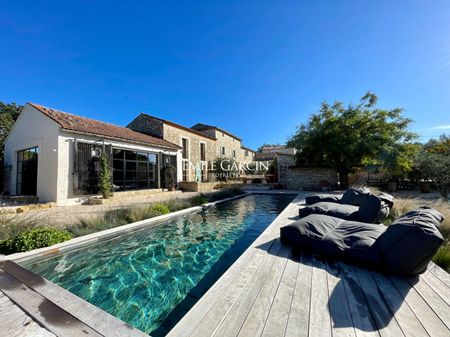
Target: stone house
198, 148
227, 144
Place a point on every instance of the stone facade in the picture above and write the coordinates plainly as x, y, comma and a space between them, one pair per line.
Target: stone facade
218, 143
175, 135
246, 155
149, 126
309, 178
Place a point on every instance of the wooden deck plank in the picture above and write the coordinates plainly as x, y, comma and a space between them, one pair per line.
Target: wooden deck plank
404, 315
430, 321
341, 318
384, 319
363, 322
437, 304
438, 287
440, 273
232, 322
42, 310
254, 323
277, 319
320, 320
218, 292
298, 321
220, 309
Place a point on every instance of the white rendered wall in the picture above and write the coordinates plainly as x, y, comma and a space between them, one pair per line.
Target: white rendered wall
33, 129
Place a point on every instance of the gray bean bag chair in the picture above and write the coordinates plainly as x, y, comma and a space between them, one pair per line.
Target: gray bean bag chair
352, 196
372, 209
373, 246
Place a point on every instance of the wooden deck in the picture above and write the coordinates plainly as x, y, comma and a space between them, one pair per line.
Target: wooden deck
269, 291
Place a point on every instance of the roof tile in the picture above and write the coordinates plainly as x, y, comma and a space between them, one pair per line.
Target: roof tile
85, 125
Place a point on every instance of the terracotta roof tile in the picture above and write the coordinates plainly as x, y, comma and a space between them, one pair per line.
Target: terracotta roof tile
85, 125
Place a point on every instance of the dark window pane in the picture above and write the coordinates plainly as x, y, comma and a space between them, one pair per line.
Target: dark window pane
143, 184
118, 154
130, 175
130, 155
184, 146
118, 164
141, 175
117, 175
142, 156
202, 151
142, 166
130, 165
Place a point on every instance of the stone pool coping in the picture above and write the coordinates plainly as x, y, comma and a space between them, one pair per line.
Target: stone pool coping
81, 314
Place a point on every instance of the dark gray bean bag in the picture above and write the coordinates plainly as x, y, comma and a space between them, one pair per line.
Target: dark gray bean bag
410, 242
352, 196
372, 209
404, 248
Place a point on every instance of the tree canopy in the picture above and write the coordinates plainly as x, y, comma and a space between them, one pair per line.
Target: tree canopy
345, 137
434, 163
8, 115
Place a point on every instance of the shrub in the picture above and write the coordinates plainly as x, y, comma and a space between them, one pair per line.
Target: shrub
34, 238
200, 199
105, 178
160, 209
442, 257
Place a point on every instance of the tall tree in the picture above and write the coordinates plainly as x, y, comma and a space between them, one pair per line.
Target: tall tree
8, 115
345, 137
434, 163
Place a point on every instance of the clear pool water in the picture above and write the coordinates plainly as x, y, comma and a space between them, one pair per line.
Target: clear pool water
152, 277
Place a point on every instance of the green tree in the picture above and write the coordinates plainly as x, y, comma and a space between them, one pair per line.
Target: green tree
266, 145
345, 137
434, 163
8, 115
398, 160
105, 177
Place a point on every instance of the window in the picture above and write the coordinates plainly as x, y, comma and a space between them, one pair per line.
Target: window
234, 153
27, 165
222, 150
134, 170
246, 153
185, 170
202, 151
185, 148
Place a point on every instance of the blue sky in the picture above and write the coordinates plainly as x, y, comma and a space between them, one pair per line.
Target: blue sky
255, 68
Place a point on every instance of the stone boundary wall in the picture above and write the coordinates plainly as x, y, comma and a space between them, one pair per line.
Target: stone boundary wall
309, 178
193, 186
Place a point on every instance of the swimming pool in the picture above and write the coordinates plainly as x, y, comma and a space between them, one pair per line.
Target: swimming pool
152, 277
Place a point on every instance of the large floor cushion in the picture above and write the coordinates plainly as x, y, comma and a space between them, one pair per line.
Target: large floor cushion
346, 212
373, 209
352, 196
404, 248
307, 232
410, 242
315, 198
335, 238
355, 196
